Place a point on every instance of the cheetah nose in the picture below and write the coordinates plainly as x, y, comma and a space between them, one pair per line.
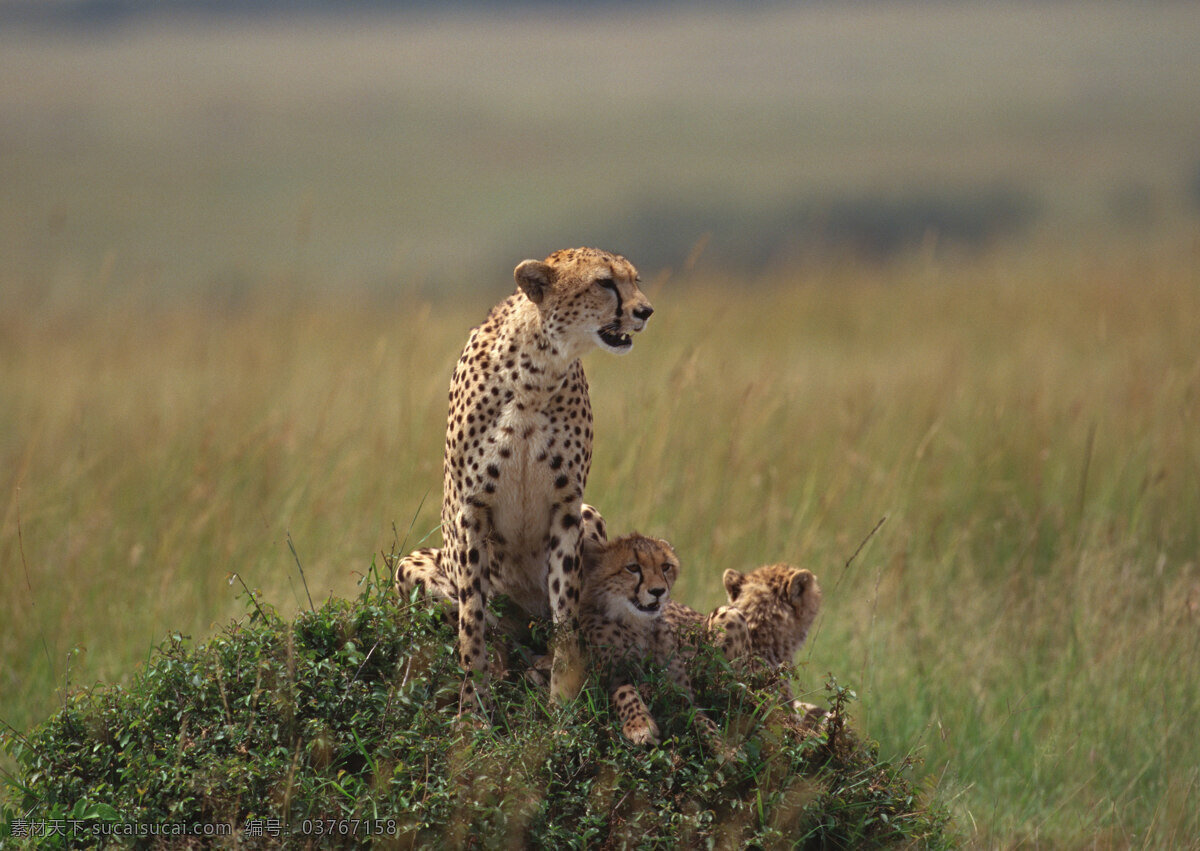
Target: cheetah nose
643, 313
658, 592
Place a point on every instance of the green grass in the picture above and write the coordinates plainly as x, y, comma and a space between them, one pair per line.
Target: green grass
1026, 622
340, 727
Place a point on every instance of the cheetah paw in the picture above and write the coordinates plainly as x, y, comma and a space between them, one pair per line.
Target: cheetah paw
641, 732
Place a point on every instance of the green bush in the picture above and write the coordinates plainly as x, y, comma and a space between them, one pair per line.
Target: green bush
340, 728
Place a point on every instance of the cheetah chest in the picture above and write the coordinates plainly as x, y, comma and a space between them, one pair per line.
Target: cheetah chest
538, 466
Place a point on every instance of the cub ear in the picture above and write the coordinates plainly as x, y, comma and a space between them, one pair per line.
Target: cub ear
674, 556
733, 584
534, 278
801, 581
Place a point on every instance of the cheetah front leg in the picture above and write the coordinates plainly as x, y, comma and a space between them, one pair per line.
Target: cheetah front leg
567, 670
467, 552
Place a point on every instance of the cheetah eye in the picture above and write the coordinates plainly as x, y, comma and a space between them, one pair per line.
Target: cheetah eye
607, 283
634, 567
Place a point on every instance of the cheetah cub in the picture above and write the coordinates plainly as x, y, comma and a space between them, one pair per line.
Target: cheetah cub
627, 583
725, 627
779, 603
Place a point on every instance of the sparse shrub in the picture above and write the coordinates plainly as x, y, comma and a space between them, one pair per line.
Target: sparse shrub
340, 727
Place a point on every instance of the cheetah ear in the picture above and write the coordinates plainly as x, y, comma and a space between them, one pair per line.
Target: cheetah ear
733, 584
534, 278
799, 583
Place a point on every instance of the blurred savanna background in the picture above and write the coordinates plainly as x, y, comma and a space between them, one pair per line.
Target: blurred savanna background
933, 264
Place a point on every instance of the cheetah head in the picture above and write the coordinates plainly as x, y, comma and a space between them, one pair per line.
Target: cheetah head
780, 603
586, 297
630, 577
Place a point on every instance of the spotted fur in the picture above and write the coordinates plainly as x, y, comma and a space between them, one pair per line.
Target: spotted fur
422, 570
519, 448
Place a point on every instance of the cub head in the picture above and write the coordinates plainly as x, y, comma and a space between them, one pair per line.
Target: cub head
630, 577
780, 603
586, 297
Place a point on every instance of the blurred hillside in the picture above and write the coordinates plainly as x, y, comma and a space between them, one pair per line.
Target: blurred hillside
200, 151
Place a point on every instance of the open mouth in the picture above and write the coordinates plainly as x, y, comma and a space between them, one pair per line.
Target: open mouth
615, 341
648, 607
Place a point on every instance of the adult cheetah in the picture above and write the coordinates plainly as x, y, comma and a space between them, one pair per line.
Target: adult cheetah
519, 449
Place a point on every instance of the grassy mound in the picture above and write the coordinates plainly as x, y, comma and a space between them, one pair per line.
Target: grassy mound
340, 728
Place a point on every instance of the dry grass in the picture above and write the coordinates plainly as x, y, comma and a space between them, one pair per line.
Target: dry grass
1028, 618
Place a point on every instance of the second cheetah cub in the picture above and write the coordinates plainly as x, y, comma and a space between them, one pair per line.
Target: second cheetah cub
779, 603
